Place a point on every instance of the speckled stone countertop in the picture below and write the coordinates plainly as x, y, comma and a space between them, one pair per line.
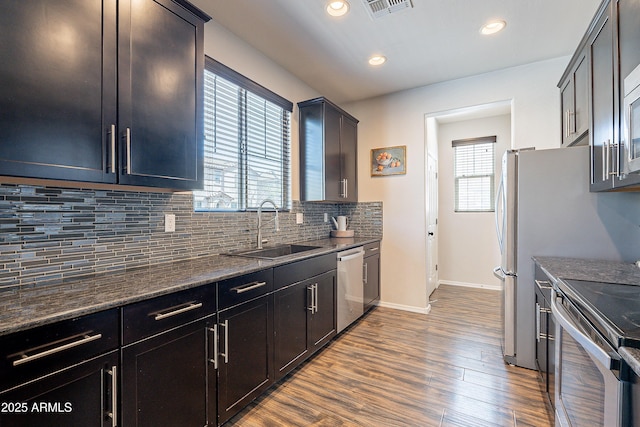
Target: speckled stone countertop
596, 271
589, 269
28, 307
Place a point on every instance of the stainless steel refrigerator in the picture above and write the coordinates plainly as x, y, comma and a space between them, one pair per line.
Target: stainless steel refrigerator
544, 208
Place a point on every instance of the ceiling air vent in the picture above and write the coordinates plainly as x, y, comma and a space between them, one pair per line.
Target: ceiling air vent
380, 8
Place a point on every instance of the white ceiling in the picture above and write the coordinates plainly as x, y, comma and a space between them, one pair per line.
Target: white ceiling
435, 41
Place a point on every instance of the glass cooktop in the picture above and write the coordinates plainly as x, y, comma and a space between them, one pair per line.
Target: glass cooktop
614, 309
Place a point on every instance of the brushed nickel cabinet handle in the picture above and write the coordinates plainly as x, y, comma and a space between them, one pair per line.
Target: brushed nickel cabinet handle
128, 143
249, 287
214, 360
26, 359
114, 396
112, 142
226, 341
313, 295
191, 306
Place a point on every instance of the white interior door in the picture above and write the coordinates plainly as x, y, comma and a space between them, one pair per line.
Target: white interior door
432, 224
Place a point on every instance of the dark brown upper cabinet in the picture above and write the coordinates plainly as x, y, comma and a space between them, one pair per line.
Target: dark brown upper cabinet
102, 91
574, 89
328, 152
611, 50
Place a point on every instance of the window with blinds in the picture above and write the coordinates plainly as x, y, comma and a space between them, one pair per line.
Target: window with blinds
247, 143
474, 172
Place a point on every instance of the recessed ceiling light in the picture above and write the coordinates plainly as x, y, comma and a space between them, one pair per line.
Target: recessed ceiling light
492, 27
337, 8
377, 60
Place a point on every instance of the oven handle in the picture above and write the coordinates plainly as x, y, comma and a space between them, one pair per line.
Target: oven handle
592, 348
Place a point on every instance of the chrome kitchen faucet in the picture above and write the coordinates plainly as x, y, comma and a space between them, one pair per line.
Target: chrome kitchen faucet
275, 220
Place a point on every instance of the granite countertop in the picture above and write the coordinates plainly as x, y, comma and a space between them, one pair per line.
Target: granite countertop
27, 307
596, 271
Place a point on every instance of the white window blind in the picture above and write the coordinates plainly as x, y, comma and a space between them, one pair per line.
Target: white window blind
474, 172
247, 143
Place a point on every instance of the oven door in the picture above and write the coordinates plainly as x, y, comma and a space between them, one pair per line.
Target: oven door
588, 391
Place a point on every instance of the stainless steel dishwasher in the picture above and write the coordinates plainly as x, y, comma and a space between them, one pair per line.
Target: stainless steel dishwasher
350, 286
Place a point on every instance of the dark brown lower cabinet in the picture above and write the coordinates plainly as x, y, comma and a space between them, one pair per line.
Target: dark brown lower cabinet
371, 276
81, 395
167, 378
305, 320
245, 364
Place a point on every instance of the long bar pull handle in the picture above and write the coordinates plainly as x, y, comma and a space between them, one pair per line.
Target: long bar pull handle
191, 306
604, 161
214, 360
583, 340
312, 298
114, 396
538, 322
112, 143
616, 160
365, 277
249, 287
128, 143
544, 284
226, 341
85, 340
346, 188
315, 298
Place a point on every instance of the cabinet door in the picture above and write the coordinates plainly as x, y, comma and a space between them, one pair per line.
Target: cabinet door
164, 379
161, 63
57, 98
603, 145
333, 187
566, 104
292, 307
245, 363
323, 317
349, 159
580, 117
371, 280
78, 396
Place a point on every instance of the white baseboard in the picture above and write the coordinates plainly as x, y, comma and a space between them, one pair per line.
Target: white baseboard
470, 285
421, 310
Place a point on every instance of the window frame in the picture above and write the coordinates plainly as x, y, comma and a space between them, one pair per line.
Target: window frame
457, 179
248, 88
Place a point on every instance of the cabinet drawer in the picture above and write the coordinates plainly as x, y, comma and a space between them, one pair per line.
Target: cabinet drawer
146, 318
40, 351
244, 288
301, 270
371, 249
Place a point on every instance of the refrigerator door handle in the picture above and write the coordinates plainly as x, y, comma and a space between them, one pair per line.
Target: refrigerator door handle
499, 208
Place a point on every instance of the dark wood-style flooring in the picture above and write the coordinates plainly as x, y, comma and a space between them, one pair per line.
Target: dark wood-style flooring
396, 368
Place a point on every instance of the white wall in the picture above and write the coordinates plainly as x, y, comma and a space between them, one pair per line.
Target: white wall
468, 248
225, 47
399, 119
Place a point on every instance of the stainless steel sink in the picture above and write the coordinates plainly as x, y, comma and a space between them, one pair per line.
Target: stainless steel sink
274, 251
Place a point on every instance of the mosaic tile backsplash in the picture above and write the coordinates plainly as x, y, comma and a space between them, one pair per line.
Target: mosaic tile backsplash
50, 233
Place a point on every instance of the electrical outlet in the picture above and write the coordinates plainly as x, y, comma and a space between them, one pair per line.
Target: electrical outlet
169, 223
299, 218
326, 217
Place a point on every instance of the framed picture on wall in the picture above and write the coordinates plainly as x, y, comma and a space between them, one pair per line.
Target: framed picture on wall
389, 161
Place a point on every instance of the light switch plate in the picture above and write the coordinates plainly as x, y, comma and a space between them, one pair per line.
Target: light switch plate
169, 223
299, 218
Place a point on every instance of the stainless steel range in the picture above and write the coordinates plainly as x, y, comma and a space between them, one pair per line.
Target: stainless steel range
593, 320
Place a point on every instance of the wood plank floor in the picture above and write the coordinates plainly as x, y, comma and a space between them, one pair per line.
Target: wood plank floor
395, 368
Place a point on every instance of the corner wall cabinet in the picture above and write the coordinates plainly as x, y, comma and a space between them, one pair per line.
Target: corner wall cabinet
611, 48
102, 91
328, 152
